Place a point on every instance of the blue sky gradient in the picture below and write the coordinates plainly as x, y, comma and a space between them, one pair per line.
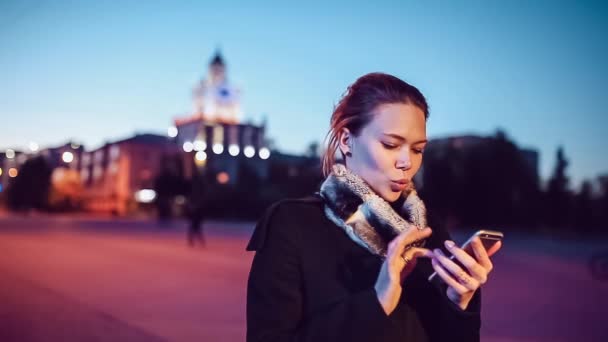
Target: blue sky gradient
95, 71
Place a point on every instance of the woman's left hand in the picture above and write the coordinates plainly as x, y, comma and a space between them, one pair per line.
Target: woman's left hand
462, 283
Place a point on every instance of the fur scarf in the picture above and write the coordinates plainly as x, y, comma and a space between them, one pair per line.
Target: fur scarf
367, 218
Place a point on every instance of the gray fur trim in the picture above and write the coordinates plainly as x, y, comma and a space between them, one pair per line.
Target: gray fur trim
367, 218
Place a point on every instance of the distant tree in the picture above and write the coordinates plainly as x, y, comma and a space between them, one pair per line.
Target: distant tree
442, 190
312, 150
584, 214
30, 189
603, 203
168, 184
482, 182
558, 195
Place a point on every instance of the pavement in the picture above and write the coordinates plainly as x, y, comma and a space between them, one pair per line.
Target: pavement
65, 278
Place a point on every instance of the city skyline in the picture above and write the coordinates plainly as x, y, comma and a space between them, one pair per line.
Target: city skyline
95, 72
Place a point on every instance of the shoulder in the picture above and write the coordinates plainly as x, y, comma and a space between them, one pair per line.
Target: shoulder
280, 218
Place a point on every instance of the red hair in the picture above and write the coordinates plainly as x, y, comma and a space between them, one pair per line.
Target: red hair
355, 109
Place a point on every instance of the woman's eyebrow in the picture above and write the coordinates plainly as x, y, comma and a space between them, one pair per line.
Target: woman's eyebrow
400, 138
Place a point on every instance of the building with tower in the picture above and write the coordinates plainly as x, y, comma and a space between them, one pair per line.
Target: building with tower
214, 139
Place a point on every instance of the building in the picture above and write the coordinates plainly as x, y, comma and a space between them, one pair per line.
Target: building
213, 139
442, 149
64, 156
119, 176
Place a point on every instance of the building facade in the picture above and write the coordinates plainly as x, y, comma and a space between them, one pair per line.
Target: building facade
213, 138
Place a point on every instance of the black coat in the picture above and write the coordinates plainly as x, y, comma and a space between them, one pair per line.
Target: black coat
310, 282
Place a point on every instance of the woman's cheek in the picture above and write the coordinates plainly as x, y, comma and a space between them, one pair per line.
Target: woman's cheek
416, 166
377, 158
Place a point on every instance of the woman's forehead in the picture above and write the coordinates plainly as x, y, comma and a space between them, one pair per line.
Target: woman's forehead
399, 121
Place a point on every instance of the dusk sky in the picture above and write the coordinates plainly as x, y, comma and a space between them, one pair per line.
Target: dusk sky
96, 71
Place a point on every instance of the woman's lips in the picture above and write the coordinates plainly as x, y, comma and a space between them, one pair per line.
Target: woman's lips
398, 185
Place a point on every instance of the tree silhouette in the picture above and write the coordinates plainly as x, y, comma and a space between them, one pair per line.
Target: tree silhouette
480, 181
584, 214
557, 197
29, 190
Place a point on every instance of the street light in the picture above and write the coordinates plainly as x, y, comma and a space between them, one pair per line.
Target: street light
188, 146
172, 132
145, 195
249, 151
67, 157
34, 146
234, 150
264, 153
10, 154
200, 156
199, 145
223, 177
218, 148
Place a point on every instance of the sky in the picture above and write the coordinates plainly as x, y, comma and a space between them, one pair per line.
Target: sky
96, 71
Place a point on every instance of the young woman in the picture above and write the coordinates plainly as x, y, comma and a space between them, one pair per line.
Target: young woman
352, 263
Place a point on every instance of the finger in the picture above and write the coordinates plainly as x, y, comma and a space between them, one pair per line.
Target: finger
410, 259
397, 245
475, 269
410, 256
481, 254
418, 252
412, 235
462, 277
447, 277
495, 248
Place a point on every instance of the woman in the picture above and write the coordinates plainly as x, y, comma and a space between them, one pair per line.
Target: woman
351, 264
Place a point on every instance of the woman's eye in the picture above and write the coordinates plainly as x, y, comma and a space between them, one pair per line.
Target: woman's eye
389, 146
419, 151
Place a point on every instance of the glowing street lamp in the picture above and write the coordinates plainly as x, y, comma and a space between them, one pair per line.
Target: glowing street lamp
172, 132
10, 154
188, 146
145, 195
200, 145
67, 157
264, 153
218, 148
34, 147
223, 177
234, 150
200, 156
249, 151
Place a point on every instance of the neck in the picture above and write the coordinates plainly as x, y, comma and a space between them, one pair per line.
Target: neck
396, 205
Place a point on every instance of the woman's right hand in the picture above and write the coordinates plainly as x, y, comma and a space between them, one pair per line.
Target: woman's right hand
395, 268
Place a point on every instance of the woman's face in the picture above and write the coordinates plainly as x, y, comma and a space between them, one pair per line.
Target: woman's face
387, 153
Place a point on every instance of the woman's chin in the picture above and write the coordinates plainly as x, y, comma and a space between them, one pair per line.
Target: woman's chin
391, 196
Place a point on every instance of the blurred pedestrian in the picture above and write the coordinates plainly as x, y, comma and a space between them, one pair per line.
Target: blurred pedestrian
196, 211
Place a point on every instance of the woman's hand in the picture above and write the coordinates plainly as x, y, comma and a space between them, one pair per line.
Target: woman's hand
399, 263
463, 284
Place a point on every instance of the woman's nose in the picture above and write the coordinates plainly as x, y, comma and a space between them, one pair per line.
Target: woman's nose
404, 162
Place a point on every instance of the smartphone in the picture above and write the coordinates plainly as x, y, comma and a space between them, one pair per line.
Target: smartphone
488, 239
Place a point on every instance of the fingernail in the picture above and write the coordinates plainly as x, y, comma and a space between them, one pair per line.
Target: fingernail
449, 244
438, 251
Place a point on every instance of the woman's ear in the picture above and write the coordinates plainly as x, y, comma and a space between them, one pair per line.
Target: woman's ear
345, 142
